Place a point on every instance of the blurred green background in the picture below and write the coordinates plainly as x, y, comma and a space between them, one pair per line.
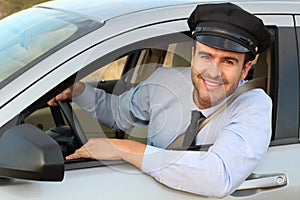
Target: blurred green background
8, 7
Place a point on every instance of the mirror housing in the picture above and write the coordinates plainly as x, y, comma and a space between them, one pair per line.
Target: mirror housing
26, 152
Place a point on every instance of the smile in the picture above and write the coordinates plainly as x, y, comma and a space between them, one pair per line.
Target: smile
213, 85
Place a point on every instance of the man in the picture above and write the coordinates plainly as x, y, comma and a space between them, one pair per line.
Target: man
227, 38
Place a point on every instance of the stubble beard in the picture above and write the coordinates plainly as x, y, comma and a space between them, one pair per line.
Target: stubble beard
204, 98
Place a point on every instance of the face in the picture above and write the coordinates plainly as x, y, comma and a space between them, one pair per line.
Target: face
216, 74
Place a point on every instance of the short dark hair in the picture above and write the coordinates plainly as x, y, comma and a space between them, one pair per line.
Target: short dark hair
248, 57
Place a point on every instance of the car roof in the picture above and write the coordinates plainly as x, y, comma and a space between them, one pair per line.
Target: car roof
103, 10
108, 9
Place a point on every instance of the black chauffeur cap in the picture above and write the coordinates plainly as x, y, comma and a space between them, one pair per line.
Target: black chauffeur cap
228, 27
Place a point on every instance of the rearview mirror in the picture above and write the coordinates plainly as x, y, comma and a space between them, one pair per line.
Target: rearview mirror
26, 152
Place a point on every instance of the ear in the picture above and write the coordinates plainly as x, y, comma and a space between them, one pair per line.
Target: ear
246, 69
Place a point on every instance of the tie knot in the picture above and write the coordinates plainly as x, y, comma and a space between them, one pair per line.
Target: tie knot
196, 115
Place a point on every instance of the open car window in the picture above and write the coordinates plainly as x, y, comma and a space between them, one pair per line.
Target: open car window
125, 70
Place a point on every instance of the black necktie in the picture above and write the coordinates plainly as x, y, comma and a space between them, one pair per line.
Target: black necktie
191, 132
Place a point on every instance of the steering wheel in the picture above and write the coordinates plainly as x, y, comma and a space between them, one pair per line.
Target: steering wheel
73, 122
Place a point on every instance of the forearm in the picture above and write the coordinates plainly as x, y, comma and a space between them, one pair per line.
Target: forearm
131, 151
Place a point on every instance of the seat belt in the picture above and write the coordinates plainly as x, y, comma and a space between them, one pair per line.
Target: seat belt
249, 85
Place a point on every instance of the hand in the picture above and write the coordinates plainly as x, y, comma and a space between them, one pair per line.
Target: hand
73, 91
111, 149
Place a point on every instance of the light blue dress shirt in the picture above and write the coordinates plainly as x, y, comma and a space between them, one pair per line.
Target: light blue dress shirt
240, 134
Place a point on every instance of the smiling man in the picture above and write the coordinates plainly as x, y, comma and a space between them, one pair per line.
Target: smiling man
227, 39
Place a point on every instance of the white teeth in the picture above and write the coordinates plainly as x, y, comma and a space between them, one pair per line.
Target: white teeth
212, 84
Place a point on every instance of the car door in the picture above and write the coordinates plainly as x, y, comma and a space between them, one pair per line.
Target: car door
275, 178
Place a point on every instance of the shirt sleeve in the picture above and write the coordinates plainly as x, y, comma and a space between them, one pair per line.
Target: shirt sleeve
97, 103
117, 112
233, 157
191, 171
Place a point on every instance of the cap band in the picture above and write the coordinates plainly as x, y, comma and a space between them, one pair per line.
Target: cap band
243, 41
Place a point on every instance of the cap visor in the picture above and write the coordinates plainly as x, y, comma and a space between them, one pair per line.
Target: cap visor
221, 43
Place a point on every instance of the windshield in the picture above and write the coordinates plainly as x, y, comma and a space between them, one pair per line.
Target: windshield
31, 35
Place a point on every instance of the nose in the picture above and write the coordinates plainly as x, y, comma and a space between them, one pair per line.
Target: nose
212, 68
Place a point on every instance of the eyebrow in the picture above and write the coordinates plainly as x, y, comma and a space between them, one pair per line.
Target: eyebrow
231, 58
225, 58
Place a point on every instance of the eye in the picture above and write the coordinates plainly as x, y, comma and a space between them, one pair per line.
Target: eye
204, 56
228, 62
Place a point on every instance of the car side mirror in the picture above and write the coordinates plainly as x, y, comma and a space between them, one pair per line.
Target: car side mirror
26, 152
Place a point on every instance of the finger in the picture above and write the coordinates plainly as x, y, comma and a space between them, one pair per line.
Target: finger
73, 156
61, 97
79, 153
52, 102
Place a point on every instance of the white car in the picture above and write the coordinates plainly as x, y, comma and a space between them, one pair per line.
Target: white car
114, 45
